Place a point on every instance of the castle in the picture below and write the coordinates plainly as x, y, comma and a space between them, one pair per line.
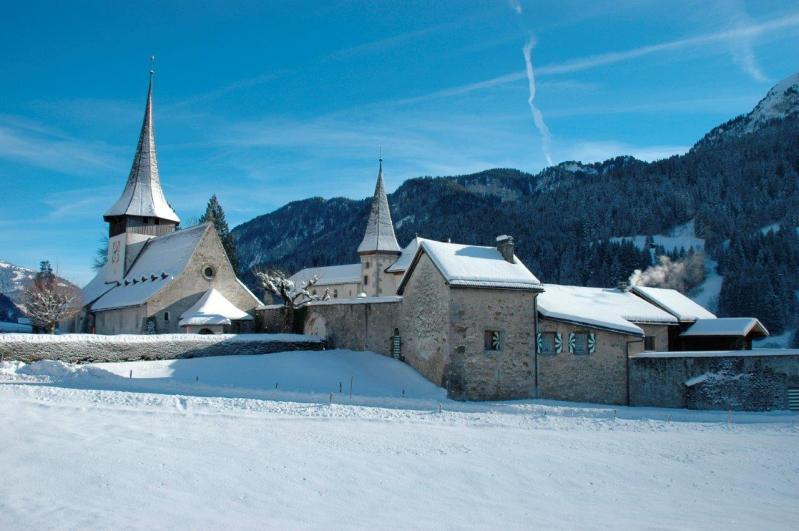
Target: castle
475, 320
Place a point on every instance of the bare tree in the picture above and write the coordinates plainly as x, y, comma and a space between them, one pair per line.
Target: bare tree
279, 284
49, 300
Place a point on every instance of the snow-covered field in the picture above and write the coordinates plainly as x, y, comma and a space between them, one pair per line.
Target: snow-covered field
215, 445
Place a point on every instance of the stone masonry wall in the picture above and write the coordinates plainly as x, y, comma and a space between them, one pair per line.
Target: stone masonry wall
424, 322
76, 348
599, 377
659, 332
745, 382
478, 374
355, 326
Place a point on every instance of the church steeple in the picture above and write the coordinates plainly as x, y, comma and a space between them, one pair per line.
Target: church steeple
142, 207
379, 237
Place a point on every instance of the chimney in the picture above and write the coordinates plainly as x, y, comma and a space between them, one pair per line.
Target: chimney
505, 248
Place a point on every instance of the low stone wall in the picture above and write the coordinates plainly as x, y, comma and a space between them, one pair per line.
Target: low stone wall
355, 324
734, 380
76, 348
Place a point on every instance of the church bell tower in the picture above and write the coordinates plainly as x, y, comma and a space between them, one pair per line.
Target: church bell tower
142, 208
379, 248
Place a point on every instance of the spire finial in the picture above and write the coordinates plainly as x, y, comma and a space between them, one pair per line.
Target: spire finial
152, 65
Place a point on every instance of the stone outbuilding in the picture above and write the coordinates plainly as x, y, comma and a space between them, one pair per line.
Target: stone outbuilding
585, 336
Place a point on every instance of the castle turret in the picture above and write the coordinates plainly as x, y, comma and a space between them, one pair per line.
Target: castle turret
142, 208
379, 248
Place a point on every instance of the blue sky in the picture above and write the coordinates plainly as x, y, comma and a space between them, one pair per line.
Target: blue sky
263, 103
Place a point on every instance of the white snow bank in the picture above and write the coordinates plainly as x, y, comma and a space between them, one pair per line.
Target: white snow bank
297, 375
80, 459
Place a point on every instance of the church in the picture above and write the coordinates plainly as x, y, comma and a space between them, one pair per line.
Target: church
160, 278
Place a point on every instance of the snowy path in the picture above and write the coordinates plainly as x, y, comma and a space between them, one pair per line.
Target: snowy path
91, 458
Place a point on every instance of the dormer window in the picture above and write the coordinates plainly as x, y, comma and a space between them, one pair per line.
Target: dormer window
209, 272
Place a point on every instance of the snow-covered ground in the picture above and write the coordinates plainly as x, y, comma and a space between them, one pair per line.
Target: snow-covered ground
75, 455
680, 237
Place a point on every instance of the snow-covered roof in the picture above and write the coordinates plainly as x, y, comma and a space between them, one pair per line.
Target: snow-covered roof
404, 261
608, 308
726, 326
379, 234
329, 275
143, 195
97, 287
476, 266
718, 353
674, 302
161, 261
213, 309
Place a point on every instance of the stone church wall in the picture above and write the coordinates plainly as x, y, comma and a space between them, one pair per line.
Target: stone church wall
186, 289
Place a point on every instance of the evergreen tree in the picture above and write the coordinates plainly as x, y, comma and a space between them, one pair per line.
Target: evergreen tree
216, 215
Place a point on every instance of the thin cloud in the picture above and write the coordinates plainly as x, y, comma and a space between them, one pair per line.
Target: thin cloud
735, 35
389, 42
743, 52
41, 148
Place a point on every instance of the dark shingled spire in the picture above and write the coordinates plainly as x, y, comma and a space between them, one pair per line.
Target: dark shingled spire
143, 195
379, 235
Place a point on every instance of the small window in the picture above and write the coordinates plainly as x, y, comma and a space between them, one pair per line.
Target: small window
493, 340
649, 343
335, 293
365, 280
547, 344
368, 264
580, 345
166, 316
209, 272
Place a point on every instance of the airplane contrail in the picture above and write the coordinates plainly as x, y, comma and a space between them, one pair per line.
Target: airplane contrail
538, 118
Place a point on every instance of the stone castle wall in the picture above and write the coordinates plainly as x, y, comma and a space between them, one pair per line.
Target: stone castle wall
735, 381
354, 324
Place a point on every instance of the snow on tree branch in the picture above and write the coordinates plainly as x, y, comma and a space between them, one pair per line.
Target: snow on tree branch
293, 296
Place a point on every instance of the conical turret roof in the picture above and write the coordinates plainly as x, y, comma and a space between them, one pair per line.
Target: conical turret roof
379, 235
143, 195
